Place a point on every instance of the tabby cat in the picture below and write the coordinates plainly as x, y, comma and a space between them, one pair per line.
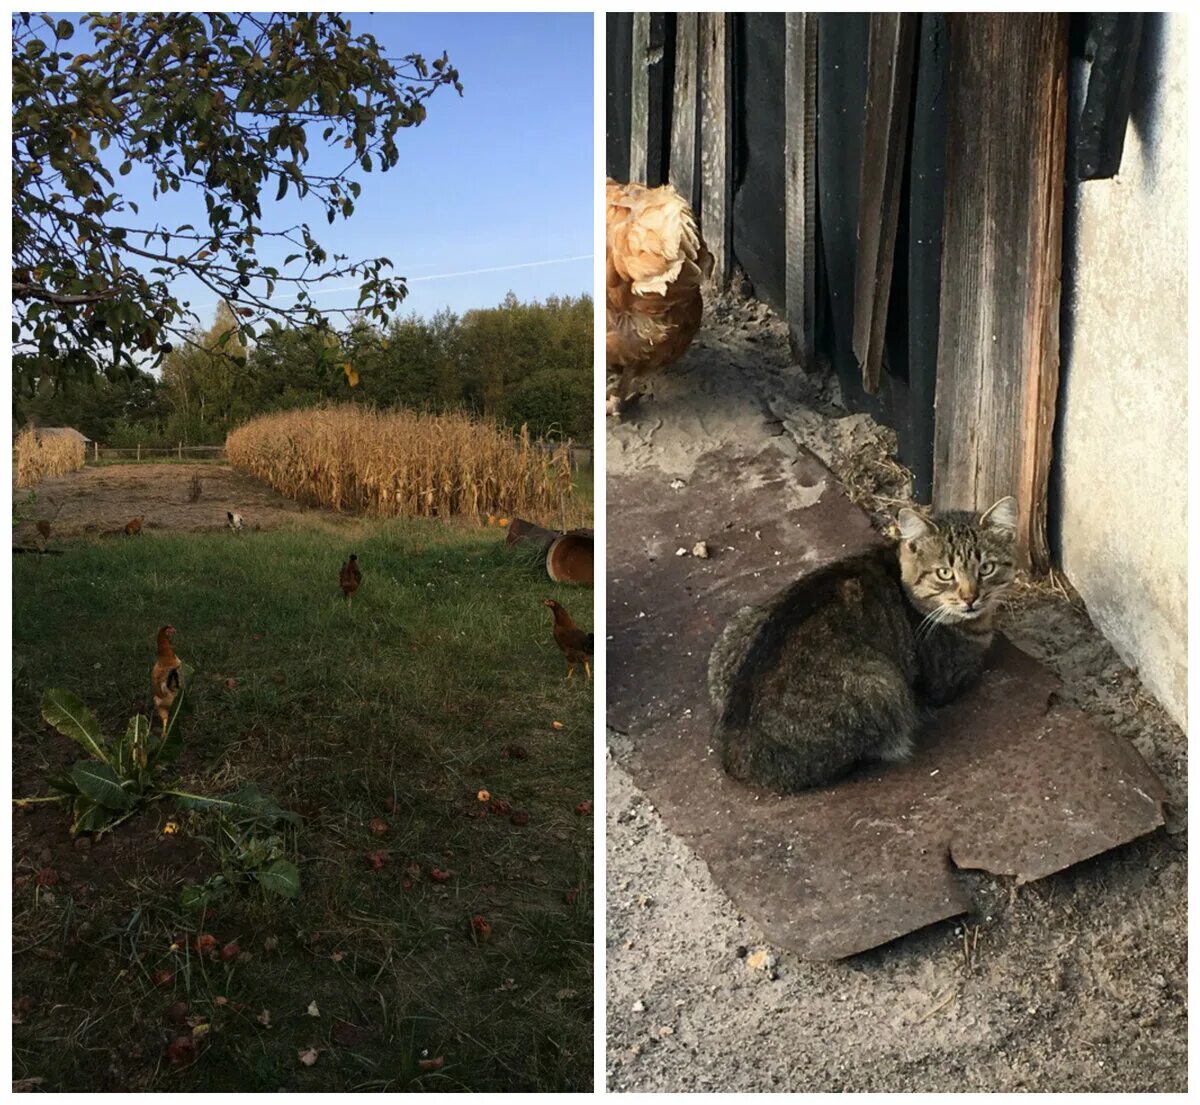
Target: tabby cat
842, 667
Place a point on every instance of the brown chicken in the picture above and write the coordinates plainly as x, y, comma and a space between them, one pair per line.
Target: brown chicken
135, 526
656, 264
576, 645
43, 527
350, 577
164, 677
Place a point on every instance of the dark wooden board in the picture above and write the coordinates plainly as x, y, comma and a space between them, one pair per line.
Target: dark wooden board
800, 182
647, 129
890, 69
997, 376
618, 35
841, 98
759, 228
1113, 45
915, 352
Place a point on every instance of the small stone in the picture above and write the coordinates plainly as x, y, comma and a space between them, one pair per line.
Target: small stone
681, 552
639, 1006
700, 549
742, 951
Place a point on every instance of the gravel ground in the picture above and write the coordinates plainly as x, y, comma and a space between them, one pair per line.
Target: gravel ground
1074, 983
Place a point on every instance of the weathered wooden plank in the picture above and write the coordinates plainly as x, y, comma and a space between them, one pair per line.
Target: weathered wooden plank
800, 181
841, 95
682, 160
890, 66
639, 109
656, 137
1113, 43
926, 175
997, 376
716, 88
617, 31
758, 206
647, 153
1044, 312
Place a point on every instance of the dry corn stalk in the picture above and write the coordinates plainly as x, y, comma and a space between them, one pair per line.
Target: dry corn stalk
36, 456
401, 462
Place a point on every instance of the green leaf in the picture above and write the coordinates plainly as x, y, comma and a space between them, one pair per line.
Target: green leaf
193, 898
132, 749
64, 784
101, 784
245, 803
90, 817
198, 895
282, 878
67, 713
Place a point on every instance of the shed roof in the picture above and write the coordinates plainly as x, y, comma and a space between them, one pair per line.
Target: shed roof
62, 431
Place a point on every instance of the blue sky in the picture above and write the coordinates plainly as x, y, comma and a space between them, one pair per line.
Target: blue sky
501, 177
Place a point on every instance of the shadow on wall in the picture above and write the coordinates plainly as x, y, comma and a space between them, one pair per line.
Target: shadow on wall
1147, 79
1144, 118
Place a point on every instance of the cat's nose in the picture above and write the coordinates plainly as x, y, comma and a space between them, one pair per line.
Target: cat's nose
969, 594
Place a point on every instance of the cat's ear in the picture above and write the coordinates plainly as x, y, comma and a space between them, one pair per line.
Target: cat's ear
1001, 515
914, 525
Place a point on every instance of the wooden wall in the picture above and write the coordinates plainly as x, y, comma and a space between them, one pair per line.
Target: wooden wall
892, 185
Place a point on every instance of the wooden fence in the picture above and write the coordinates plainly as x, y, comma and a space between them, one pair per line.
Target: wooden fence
581, 455
893, 185
97, 452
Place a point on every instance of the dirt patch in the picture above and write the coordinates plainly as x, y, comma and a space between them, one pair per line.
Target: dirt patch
1073, 983
100, 500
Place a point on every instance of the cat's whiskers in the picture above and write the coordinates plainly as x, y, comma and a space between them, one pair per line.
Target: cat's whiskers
936, 617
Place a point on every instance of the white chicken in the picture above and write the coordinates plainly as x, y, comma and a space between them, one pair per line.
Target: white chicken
236, 522
656, 264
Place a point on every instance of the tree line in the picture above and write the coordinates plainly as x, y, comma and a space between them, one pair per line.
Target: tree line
518, 363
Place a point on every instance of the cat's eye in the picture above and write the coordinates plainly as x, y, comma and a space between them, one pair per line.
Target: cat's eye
945, 574
986, 568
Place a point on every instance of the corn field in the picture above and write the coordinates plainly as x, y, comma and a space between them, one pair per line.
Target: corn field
36, 456
401, 463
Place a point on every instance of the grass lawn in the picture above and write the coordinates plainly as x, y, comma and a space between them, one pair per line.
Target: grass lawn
401, 707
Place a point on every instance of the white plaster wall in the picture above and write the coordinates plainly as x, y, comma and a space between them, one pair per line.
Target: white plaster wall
1121, 480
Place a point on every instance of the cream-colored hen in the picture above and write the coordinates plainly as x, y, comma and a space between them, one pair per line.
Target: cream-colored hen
656, 263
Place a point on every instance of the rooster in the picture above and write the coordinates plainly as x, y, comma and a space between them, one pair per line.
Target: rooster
576, 645
164, 677
350, 577
134, 527
656, 263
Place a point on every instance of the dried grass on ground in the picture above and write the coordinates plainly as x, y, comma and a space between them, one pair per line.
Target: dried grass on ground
401, 463
36, 456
